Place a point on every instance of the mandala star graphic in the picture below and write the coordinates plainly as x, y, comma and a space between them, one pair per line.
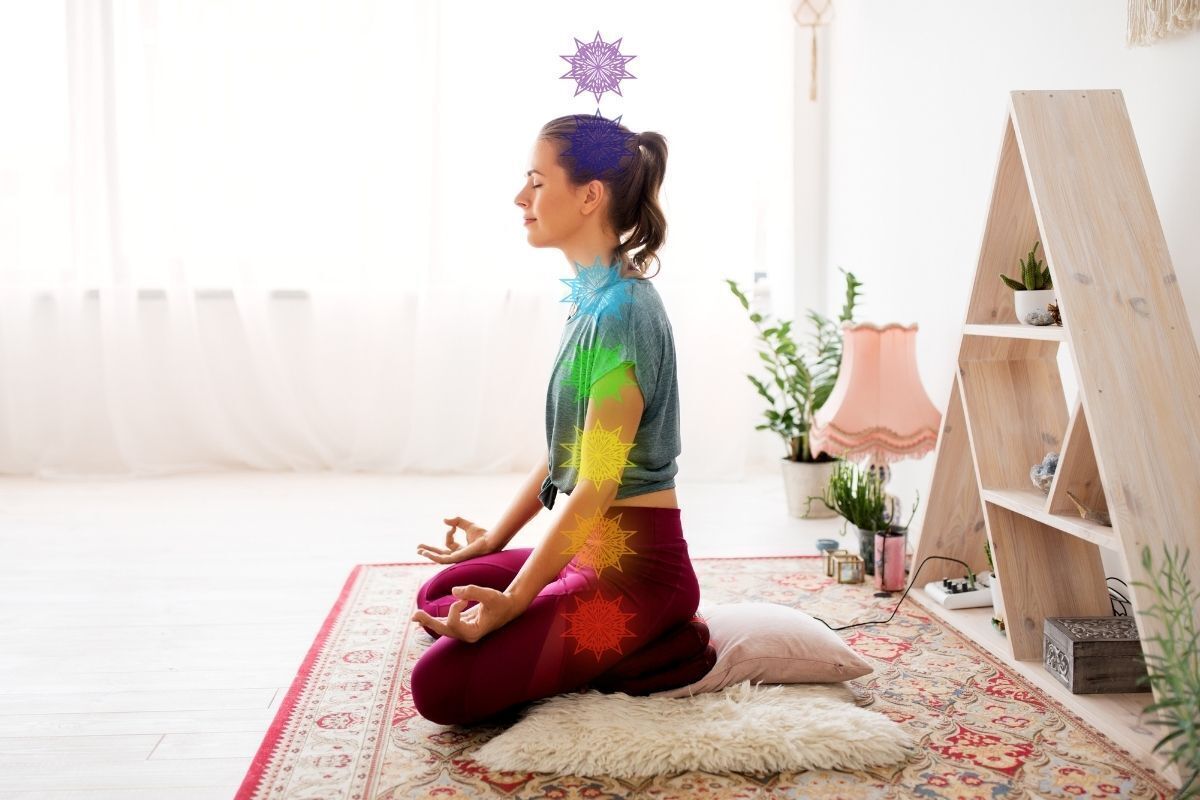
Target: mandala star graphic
597, 145
599, 454
598, 625
611, 383
599, 541
599, 290
597, 66
589, 362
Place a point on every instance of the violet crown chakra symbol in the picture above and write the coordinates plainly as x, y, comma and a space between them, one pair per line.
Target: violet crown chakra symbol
597, 66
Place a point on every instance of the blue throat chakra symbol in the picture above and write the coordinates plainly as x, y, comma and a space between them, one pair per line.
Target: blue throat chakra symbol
597, 67
597, 145
598, 290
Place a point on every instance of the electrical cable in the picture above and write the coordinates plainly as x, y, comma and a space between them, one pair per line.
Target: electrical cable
971, 577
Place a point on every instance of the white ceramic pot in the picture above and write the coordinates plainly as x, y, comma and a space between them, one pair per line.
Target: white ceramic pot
1032, 300
803, 480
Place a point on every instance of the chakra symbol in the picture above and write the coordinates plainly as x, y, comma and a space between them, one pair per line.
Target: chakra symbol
599, 454
598, 290
599, 541
598, 625
597, 66
589, 362
597, 145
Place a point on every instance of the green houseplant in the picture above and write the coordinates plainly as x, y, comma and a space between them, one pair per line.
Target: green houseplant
857, 496
800, 377
1175, 672
1034, 291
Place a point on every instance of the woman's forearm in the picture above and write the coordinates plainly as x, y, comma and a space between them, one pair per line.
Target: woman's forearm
523, 508
557, 548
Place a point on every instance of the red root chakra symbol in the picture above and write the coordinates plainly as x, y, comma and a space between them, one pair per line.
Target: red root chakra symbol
598, 625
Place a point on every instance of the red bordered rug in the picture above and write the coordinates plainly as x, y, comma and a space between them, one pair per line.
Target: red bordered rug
348, 728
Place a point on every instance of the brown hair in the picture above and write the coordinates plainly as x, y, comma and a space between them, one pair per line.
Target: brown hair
633, 187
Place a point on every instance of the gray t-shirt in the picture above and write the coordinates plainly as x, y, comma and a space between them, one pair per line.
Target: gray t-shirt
630, 326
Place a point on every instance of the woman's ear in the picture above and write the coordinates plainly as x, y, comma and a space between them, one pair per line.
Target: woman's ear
594, 195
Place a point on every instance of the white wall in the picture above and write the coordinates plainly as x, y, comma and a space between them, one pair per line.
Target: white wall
917, 102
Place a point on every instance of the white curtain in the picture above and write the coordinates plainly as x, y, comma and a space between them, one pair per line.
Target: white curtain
280, 234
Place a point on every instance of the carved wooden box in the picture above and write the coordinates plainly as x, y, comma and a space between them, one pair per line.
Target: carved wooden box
1091, 655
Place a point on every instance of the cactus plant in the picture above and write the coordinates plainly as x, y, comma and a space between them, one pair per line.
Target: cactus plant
1034, 273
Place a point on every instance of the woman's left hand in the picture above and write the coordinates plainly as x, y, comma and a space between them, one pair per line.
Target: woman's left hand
493, 610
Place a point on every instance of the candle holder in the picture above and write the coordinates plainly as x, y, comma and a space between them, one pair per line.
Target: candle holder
849, 568
830, 555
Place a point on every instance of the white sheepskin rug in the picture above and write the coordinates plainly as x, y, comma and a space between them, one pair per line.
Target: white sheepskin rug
753, 729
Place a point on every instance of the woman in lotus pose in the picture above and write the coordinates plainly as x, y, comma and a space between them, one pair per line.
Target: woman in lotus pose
607, 598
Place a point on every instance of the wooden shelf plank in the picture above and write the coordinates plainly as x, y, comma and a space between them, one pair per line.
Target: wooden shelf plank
1032, 504
1077, 472
1014, 330
955, 529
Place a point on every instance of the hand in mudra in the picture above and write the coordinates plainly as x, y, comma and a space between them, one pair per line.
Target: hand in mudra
492, 610
478, 543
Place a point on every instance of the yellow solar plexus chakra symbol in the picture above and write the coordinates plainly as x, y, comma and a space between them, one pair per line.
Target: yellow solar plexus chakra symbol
599, 541
598, 625
589, 363
599, 454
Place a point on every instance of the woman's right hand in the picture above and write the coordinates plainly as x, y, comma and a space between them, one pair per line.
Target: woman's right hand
478, 543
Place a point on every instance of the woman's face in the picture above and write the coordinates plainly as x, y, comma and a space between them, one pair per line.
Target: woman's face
555, 212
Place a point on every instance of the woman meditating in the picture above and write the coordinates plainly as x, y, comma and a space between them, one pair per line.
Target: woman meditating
607, 598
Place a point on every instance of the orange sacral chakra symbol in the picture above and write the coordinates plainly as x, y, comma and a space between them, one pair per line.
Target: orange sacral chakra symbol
599, 541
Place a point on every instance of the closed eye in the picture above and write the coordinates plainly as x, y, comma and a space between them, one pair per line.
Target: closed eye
537, 186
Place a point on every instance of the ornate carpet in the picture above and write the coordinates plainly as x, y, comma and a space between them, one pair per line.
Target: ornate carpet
348, 728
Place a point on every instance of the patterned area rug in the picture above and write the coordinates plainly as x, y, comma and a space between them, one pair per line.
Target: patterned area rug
348, 728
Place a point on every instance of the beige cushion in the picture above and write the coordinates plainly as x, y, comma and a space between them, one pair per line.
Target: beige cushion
770, 643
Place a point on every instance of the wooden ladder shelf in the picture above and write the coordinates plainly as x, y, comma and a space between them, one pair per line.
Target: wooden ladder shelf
1070, 176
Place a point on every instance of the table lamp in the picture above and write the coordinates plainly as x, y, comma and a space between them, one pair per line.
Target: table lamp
878, 413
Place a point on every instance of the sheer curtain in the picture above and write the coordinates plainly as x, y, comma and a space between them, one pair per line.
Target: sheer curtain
281, 235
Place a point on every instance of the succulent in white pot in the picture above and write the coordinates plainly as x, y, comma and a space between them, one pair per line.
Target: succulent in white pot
1034, 292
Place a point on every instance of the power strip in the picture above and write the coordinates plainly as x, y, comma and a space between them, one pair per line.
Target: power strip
958, 592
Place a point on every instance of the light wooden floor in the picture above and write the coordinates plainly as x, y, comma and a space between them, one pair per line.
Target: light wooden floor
149, 629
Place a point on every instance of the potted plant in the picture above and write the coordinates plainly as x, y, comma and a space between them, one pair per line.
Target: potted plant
1034, 292
802, 377
1175, 671
856, 495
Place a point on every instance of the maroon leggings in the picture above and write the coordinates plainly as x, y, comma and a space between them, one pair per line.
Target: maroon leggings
578, 628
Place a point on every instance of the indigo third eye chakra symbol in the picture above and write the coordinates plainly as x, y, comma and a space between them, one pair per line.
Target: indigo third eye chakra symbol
598, 145
597, 67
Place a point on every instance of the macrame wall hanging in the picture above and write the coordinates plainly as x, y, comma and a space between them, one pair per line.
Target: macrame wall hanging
813, 14
1150, 20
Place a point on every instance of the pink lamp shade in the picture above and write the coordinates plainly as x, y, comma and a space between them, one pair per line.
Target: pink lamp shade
878, 408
